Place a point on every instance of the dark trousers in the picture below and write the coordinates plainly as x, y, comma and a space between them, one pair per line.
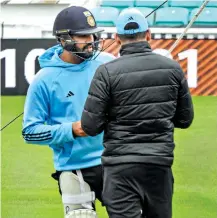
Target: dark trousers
138, 190
92, 176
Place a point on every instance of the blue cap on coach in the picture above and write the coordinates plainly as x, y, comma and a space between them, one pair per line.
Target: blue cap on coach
131, 15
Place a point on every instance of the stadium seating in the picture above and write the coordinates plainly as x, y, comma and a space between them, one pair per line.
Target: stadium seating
148, 3
105, 16
119, 4
185, 3
208, 17
212, 3
174, 13
174, 16
146, 11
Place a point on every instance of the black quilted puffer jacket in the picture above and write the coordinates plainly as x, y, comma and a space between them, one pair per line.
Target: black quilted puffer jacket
138, 100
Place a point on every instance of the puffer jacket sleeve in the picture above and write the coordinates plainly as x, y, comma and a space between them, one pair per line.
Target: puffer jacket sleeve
95, 110
184, 112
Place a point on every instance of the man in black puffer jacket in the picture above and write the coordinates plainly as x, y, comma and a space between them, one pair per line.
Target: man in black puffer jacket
137, 100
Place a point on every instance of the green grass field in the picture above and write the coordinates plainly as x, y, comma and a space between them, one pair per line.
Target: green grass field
28, 191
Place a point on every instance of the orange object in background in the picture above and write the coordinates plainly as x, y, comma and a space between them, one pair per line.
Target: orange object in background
197, 57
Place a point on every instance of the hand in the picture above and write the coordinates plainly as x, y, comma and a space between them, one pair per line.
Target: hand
77, 130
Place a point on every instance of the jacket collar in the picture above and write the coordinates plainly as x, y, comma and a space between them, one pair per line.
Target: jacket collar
135, 47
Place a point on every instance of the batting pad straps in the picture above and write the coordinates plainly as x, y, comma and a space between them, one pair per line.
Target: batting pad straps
81, 180
79, 198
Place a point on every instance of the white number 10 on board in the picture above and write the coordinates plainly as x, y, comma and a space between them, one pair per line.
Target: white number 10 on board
10, 65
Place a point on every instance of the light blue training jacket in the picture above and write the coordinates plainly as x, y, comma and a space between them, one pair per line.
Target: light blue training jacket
55, 99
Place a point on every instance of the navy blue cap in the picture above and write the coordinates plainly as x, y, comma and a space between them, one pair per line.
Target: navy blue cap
75, 20
130, 15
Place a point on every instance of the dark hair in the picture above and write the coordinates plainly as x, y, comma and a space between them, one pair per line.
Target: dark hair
132, 37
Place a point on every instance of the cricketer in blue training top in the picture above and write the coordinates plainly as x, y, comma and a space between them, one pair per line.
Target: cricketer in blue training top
56, 97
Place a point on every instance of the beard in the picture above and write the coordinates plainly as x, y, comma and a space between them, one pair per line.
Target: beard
84, 52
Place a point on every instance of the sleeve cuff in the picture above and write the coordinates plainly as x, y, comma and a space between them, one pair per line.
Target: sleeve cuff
67, 128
